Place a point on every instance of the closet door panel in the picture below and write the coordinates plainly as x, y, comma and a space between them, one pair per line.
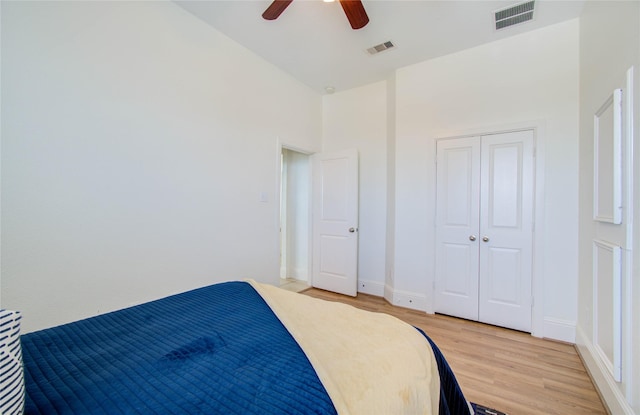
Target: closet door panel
458, 184
506, 224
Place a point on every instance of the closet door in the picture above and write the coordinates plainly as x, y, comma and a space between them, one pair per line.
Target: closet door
457, 221
484, 226
506, 227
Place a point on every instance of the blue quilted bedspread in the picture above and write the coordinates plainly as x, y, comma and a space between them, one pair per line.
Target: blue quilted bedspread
214, 350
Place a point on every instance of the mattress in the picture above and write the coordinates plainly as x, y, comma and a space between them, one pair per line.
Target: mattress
217, 349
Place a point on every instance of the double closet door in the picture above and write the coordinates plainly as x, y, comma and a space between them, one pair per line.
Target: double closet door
484, 228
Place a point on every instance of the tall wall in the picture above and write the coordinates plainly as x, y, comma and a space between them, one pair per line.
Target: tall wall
137, 146
528, 80
609, 56
357, 118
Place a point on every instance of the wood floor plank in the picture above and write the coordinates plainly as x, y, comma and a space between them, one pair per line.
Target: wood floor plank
504, 369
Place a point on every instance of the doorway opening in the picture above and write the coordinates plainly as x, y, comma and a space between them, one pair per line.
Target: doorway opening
295, 220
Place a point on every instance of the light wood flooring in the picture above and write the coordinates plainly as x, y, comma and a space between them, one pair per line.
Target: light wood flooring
503, 369
290, 284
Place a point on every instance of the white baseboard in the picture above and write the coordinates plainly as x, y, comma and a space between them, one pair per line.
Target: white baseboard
388, 293
609, 391
557, 329
371, 287
405, 299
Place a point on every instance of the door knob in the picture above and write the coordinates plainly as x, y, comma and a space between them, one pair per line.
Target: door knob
472, 238
352, 230
485, 238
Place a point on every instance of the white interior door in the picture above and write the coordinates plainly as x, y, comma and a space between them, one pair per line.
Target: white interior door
458, 202
506, 227
335, 222
484, 225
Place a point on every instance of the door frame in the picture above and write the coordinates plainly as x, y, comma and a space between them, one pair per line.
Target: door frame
537, 278
308, 152
280, 145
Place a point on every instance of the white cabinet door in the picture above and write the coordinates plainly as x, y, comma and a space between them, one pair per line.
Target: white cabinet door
335, 222
484, 224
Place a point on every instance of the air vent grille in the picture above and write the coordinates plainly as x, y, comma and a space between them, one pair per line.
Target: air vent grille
381, 47
513, 15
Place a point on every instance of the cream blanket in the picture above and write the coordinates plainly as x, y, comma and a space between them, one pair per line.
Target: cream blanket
369, 363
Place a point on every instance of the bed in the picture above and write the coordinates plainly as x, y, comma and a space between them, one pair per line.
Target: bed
238, 347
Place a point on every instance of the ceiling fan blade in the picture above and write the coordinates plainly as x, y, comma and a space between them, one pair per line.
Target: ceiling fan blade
275, 9
355, 13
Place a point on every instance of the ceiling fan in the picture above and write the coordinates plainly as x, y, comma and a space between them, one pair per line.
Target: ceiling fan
352, 8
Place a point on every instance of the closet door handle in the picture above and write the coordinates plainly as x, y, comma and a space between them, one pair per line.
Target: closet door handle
485, 238
472, 238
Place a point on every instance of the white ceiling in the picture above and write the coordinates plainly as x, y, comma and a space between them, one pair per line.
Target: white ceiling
314, 42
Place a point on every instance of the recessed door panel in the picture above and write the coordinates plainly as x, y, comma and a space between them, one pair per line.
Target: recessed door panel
459, 284
505, 185
459, 184
457, 270
334, 190
503, 276
334, 255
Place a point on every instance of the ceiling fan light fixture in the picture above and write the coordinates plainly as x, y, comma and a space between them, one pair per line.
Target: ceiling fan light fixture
275, 9
356, 14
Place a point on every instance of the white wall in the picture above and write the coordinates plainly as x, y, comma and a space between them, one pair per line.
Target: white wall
391, 186
609, 46
357, 118
527, 80
136, 142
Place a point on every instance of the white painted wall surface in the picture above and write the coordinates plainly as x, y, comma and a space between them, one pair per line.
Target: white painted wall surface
529, 79
136, 143
610, 45
357, 118
391, 186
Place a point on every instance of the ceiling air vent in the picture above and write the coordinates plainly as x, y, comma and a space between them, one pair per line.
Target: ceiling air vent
381, 47
513, 15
